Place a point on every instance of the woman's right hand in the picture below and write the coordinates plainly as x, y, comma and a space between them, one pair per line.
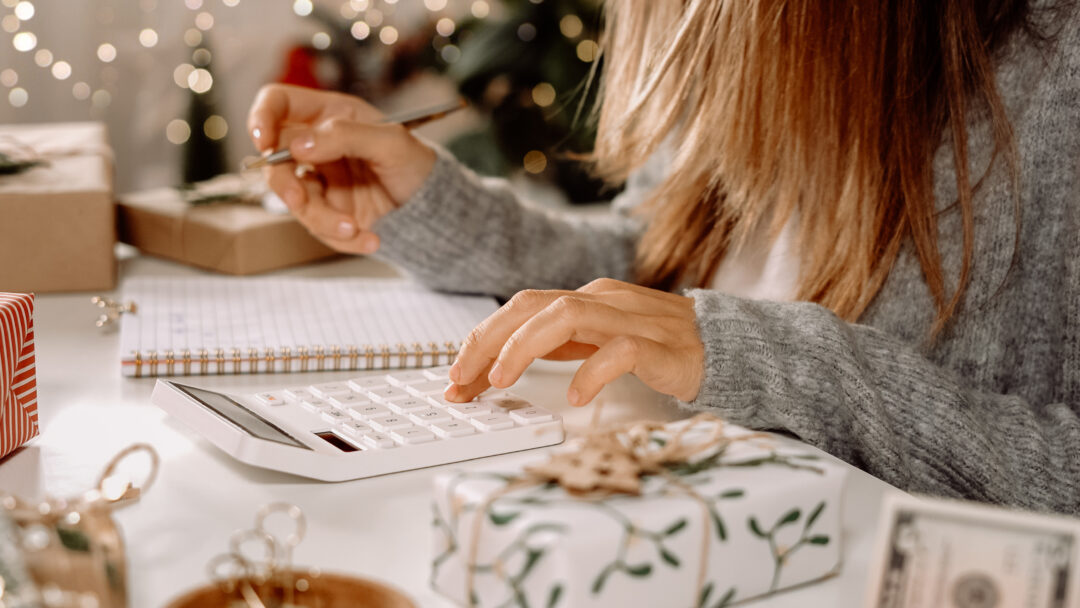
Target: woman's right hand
361, 167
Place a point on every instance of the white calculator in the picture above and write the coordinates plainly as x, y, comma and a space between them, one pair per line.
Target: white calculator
362, 427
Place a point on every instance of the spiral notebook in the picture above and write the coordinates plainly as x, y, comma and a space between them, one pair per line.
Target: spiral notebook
223, 325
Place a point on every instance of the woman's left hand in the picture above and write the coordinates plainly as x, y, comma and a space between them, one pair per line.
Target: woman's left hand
616, 327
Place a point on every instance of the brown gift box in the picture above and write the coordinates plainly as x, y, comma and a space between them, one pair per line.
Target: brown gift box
57, 221
230, 237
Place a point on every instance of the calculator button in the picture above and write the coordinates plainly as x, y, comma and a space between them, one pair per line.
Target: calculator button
404, 406
364, 383
531, 415
329, 389
390, 422
438, 373
299, 393
469, 410
440, 401
378, 440
412, 435
505, 402
370, 411
404, 378
493, 422
334, 416
452, 428
316, 405
347, 399
355, 428
429, 415
388, 393
270, 399
430, 387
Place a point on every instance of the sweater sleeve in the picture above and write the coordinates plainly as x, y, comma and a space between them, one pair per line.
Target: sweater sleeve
878, 404
873, 399
461, 232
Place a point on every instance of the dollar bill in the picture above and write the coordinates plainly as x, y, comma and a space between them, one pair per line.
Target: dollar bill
934, 553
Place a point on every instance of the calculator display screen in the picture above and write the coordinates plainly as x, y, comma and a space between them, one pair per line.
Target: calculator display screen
239, 415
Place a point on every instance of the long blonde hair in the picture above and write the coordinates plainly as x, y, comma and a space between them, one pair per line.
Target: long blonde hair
829, 110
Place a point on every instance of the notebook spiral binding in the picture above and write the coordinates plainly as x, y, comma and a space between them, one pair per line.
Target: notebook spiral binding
219, 361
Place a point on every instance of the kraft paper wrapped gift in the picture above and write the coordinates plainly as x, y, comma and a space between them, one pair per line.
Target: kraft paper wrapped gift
18, 380
57, 220
230, 236
761, 514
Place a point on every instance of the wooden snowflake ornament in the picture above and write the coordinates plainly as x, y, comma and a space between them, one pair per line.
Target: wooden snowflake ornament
603, 464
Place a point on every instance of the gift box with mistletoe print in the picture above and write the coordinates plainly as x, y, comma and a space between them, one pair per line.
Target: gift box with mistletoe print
756, 514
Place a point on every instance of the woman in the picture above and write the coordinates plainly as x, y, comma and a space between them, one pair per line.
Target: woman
892, 187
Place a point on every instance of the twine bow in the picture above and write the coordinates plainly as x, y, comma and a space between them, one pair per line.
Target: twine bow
17, 155
614, 461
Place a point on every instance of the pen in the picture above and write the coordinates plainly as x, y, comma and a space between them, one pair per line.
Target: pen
410, 120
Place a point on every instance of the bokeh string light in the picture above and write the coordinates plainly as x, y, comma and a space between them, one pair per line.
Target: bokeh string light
43, 58
321, 41
18, 22
148, 37
480, 9
360, 30
10, 24
366, 19
25, 40
24, 11
196, 76
106, 52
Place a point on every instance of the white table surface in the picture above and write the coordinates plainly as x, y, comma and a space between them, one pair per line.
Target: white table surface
378, 528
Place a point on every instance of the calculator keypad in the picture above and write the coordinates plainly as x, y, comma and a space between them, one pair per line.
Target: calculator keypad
330, 389
429, 416
388, 393
370, 411
440, 401
298, 393
390, 423
404, 408
423, 389
347, 399
438, 373
378, 440
469, 410
406, 378
355, 428
453, 428
315, 405
492, 422
531, 415
363, 384
335, 416
412, 435
505, 402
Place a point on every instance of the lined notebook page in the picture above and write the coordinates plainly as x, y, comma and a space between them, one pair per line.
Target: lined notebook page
243, 325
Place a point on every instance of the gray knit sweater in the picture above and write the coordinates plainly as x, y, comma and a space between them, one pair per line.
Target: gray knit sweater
990, 411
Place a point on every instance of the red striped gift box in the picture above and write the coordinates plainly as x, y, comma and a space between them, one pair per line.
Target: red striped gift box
18, 384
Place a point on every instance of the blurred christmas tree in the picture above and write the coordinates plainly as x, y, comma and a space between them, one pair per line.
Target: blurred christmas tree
530, 71
204, 152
